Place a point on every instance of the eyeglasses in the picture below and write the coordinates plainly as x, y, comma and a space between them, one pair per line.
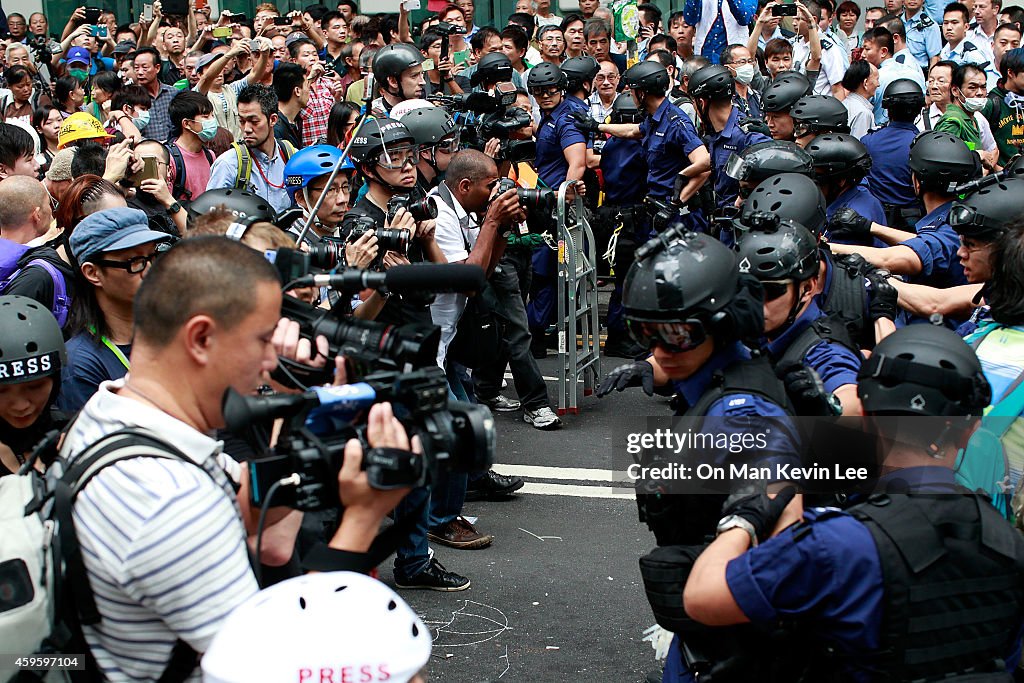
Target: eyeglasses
674, 337
545, 92
397, 158
601, 78
741, 62
774, 289
134, 265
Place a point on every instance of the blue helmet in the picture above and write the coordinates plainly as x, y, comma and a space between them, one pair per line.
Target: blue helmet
310, 163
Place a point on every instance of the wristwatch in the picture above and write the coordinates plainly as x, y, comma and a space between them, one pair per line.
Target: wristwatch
737, 522
174, 208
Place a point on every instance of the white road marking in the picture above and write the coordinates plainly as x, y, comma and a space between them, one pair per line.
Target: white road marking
540, 472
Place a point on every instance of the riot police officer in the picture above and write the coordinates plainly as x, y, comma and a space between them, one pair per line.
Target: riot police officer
840, 163
779, 97
938, 163
783, 255
580, 73
755, 164
815, 115
712, 89
678, 163
908, 585
398, 72
622, 163
889, 147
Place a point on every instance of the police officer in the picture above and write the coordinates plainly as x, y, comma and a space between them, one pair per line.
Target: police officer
889, 147
924, 39
783, 255
779, 97
712, 89
876, 588
815, 115
622, 163
678, 162
755, 164
561, 155
840, 163
938, 162
580, 73
437, 136
398, 73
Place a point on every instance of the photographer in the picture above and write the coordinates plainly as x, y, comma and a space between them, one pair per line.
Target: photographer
206, 321
437, 136
398, 71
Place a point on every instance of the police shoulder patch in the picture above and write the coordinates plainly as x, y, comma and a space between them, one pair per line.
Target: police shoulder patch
827, 44
926, 21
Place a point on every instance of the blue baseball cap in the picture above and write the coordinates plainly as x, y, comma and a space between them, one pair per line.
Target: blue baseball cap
79, 54
112, 230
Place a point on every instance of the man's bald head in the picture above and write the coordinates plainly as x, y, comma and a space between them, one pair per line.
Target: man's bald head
470, 164
24, 208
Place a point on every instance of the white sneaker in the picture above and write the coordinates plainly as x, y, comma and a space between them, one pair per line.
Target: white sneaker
542, 418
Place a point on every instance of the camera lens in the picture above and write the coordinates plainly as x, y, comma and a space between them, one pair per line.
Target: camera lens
393, 239
327, 254
540, 200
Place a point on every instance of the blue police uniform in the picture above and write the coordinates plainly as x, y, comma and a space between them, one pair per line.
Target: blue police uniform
721, 145
889, 179
835, 363
860, 200
576, 104
936, 245
669, 138
622, 165
924, 39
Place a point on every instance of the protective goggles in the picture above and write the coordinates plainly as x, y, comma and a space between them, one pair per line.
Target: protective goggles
449, 144
549, 91
395, 158
963, 216
674, 337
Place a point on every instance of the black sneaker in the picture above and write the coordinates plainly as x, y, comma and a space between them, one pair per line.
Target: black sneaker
436, 578
621, 346
492, 486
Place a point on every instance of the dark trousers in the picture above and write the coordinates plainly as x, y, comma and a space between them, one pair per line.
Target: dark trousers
512, 271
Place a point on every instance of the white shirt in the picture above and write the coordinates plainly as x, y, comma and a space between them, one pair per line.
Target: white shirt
456, 235
834, 62
163, 542
862, 114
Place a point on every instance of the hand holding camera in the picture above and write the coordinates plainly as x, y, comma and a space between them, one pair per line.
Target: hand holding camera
505, 209
362, 252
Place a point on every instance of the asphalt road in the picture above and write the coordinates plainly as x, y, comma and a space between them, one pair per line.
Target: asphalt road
558, 596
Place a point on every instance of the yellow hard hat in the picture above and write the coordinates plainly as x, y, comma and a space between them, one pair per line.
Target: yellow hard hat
80, 126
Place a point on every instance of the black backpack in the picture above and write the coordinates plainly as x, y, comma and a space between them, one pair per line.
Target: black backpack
179, 190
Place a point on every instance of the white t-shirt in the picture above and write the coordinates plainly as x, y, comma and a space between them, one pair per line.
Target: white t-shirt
455, 234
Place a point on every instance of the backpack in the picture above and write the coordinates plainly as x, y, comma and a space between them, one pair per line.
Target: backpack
49, 597
179, 190
10, 255
245, 161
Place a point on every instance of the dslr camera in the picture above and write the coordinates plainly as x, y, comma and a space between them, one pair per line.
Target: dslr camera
539, 201
420, 208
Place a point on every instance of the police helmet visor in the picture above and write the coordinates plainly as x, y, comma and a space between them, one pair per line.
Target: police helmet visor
674, 337
963, 216
397, 156
736, 167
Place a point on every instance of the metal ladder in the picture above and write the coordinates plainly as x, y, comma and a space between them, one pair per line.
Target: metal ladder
577, 304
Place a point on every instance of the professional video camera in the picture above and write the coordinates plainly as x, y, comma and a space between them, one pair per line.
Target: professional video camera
446, 31
496, 118
455, 435
40, 45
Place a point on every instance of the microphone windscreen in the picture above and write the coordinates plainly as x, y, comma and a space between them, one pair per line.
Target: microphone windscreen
435, 277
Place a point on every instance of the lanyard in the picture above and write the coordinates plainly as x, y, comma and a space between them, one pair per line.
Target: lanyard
256, 163
113, 348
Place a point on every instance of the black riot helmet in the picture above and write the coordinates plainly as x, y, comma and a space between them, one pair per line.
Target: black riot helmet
712, 82
941, 161
31, 343
790, 196
392, 60
903, 97
692, 280
817, 114
784, 91
765, 159
839, 156
984, 214
242, 203
624, 109
923, 370
546, 75
493, 67
649, 77
580, 72
778, 250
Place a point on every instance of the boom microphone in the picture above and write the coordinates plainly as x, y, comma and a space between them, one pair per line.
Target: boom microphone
427, 277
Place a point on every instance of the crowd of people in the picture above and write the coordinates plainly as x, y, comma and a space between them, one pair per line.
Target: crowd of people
797, 219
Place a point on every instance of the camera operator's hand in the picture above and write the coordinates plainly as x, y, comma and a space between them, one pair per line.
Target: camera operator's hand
316, 71
79, 15
848, 224
393, 258
638, 374
288, 343
585, 122
158, 189
425, 231
492, 147
505, 209
360, 254
365, 507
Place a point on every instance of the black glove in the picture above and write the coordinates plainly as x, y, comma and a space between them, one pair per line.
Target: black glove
884, 296
806, 391
638, 374
584, 121
848, 224
757, 508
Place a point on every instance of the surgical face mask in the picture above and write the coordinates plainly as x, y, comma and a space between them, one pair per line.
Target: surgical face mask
142, 120
209, 130
973, 104
80, 74
745, 74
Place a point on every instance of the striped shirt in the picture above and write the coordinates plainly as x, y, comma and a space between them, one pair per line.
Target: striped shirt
163, 545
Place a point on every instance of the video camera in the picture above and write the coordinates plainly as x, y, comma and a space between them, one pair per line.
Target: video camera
446, 31
455, 435
496, 118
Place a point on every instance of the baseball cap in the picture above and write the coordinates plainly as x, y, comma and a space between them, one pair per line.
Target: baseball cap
79, 54
124, 47
111, 230
60, 165
345, 621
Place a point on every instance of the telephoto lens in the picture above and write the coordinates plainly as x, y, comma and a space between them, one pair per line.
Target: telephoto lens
424, 209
